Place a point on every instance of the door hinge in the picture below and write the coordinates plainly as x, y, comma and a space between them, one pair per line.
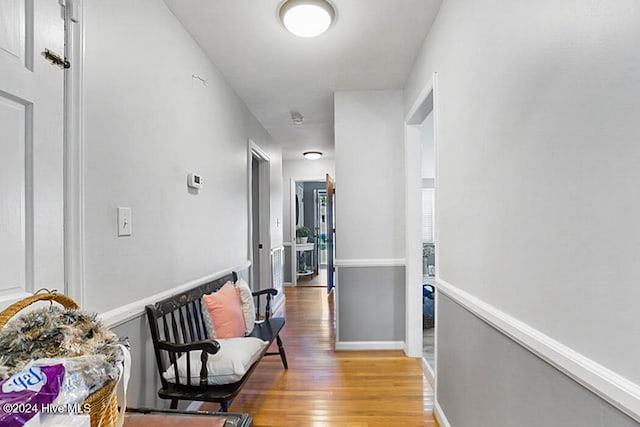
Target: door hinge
56, 59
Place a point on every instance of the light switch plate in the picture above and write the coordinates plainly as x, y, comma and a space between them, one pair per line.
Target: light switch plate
124, 222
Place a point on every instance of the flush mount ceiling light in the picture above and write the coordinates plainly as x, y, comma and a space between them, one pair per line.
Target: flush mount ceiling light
312, 155
307, 18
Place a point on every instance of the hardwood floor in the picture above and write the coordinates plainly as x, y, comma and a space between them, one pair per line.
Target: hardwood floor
319, 279
327, 388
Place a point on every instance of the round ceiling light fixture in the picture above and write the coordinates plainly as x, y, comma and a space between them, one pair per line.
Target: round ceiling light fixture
307, 18
312, 155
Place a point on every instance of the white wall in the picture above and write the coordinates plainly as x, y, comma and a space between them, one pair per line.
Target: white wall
148, 123
537, 174
369, 175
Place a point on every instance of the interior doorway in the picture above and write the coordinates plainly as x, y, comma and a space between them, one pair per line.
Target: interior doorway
255, 220
421, 229
259, 218
310, 231
428, 241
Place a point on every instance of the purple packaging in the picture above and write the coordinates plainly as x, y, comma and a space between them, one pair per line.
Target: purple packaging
23, 394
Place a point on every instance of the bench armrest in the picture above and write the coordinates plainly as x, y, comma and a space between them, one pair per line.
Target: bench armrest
269, 292
208, 346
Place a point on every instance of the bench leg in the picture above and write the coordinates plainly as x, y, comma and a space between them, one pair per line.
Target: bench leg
224, 406
174, 404
282, 355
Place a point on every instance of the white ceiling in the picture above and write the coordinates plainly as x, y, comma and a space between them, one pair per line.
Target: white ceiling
371, 45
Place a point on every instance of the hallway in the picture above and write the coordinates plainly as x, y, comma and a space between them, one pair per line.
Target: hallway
327, 388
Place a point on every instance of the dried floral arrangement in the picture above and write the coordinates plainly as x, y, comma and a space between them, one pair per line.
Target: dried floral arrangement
54, 332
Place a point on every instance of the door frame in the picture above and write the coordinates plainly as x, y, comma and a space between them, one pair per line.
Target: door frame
426, 102
264, 214
74, 167
331, 235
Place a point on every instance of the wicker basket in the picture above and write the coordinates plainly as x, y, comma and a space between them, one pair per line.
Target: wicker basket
103, 404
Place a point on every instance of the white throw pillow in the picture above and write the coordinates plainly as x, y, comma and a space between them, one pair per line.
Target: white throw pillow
228, 365
248, 307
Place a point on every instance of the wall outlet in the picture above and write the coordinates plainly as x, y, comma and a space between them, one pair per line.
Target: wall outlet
124, 222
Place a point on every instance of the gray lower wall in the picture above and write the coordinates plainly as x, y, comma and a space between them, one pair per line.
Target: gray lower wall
371, 303
145, 379
517, 387
287, 264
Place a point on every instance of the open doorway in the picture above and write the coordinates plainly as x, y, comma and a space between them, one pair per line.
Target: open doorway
255, 220
311, 233
312, 230
259, 219
428, 241
421, 229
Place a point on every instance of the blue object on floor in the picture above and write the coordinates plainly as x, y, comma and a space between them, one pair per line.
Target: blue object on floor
427, 301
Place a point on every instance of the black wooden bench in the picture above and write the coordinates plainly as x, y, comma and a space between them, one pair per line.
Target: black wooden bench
177, 328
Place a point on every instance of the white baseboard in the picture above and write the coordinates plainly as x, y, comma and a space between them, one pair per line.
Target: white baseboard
428, 373
440, 416
135, 309
369, 345
608, 385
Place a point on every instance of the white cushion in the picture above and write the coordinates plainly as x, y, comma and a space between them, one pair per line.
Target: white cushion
248, 307
228, 365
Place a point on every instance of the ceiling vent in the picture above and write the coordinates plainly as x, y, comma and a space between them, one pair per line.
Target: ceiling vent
297, 118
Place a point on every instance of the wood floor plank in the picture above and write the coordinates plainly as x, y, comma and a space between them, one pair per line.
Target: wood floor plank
327, 388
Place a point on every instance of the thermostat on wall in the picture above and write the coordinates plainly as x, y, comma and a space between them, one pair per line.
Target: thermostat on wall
194, 180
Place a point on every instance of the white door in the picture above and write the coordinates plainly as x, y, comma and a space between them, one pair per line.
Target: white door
31, 148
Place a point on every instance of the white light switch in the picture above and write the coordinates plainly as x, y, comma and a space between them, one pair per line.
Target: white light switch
124, 221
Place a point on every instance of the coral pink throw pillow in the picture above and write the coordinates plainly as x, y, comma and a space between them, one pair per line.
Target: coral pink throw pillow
225, 309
